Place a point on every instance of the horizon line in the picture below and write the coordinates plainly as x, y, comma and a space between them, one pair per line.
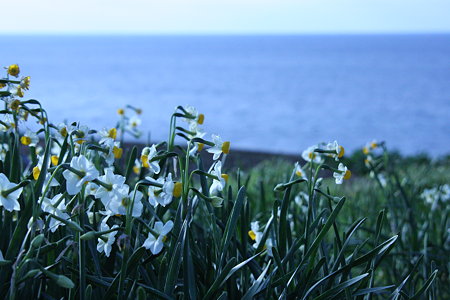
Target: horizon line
217, 33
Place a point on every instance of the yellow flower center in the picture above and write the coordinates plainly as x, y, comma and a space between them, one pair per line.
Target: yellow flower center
25, 140
200, 147
121, 111
201, 119
42, 121
13, 70
252, 235
311, 155
341, 151
2, 85
36, 172
112, 133
299, 173
144, 159
125, 202
63, 131
365, 150
373, 145
25, 83
19, 92
136, 170
225, 176
347, 174
117, 152
15, 104
80, 142
226, 147
177, 189
138, 111
55, 160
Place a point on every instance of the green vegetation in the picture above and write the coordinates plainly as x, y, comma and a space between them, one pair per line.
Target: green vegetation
82, 218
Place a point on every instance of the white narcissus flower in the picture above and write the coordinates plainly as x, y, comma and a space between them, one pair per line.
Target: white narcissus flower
8, 123
166, 195
113, 151
343, 173
299, 171
74, 182
198, 133
219, 147
106, 240
123, 199
133, 123
53, 207
217, 184
64, 130
9, 202
309, 155
91, 189
156, 243
107, 135
29, 138
163, 195
154, 192
197, 118
339, 150
116, 182
148, 153
256, 236
81, 134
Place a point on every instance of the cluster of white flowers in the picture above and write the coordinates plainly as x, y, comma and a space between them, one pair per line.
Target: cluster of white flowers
434, 195
88, 160
316, 154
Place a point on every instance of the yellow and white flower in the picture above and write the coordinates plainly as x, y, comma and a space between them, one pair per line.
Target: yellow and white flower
147, 154
339, 150
123, 199
29, 138
219, 147
156, 243
299, 171
107, 135
218, 184
86, 172
343, 173
310, 156
256, 235
114, 182
9, 198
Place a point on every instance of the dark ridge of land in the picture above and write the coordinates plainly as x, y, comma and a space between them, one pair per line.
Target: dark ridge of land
237, 158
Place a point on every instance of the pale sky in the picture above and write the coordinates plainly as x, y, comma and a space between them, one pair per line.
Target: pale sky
224, 16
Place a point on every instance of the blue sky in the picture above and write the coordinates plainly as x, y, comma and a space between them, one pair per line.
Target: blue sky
225, 16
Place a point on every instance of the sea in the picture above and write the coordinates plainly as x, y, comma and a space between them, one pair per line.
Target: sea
270, 93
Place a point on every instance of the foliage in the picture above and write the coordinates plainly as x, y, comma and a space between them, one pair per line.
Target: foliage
84, 218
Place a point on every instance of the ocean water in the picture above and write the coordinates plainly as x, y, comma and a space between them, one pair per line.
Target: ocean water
267, 93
